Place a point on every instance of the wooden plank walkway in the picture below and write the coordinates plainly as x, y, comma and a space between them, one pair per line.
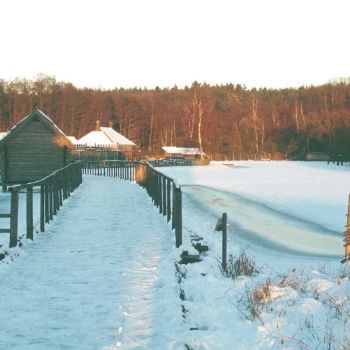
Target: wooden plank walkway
90, 281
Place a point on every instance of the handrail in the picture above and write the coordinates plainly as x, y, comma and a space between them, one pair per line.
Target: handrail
38, 182
54, 188
164, 191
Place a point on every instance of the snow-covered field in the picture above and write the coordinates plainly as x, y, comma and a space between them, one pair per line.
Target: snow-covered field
287, 218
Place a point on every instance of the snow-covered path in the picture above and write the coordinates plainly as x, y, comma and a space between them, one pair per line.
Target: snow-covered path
92, 280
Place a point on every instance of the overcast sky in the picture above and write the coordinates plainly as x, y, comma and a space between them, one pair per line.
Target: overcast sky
149, 43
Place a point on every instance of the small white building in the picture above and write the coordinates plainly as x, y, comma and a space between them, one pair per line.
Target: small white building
105, 140
105, 137
190, 153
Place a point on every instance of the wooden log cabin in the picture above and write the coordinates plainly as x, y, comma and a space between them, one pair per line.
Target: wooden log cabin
33, 149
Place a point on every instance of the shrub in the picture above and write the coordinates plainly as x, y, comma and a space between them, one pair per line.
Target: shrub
241, 266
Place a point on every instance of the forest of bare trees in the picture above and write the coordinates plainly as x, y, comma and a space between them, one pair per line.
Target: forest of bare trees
224, 121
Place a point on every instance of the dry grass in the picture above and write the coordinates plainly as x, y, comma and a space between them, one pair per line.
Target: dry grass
240, 266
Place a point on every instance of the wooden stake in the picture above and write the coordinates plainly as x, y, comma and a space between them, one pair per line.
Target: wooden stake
347, 235
224, 241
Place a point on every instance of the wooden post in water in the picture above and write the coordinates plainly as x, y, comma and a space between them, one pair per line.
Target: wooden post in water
347, 236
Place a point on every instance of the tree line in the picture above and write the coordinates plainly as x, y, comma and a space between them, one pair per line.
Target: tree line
223, 121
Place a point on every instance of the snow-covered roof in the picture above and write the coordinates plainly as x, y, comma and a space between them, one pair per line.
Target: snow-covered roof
116, 137
2, 134
181, 150
72, 139
172, 150
105, 137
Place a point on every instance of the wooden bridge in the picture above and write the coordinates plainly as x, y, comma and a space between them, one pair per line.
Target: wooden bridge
164, 191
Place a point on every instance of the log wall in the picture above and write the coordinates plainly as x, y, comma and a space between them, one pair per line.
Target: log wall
35, 153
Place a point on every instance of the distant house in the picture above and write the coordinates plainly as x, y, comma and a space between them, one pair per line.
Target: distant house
317, 156
33, 149
106, 141
190, 153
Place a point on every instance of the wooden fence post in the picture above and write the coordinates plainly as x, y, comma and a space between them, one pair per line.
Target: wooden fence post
160, 193
52, 192
51, 199
55, 195
60, 189
47, 203
224, 241
168, 188
347, 235
174, 207
42, 208
221, 225
30, 213
177, 215
64, 185
14, 219
164, 201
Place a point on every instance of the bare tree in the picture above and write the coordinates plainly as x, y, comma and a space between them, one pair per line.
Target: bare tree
254, 101
194, 113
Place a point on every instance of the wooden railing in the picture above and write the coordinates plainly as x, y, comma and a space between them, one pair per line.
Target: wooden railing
164, 191
166, 194
172, 161
115, 168
53, 190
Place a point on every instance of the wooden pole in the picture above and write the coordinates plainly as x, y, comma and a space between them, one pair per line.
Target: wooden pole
164, 201
168, 186
178, 216
224, 241
174, 208
347, 233
51, 200
47, 204
61, 189
159, 194
64, 184
14, 219
30, 213
42, 208
55, 194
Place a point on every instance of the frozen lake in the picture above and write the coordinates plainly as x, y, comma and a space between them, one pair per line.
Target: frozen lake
254, 223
